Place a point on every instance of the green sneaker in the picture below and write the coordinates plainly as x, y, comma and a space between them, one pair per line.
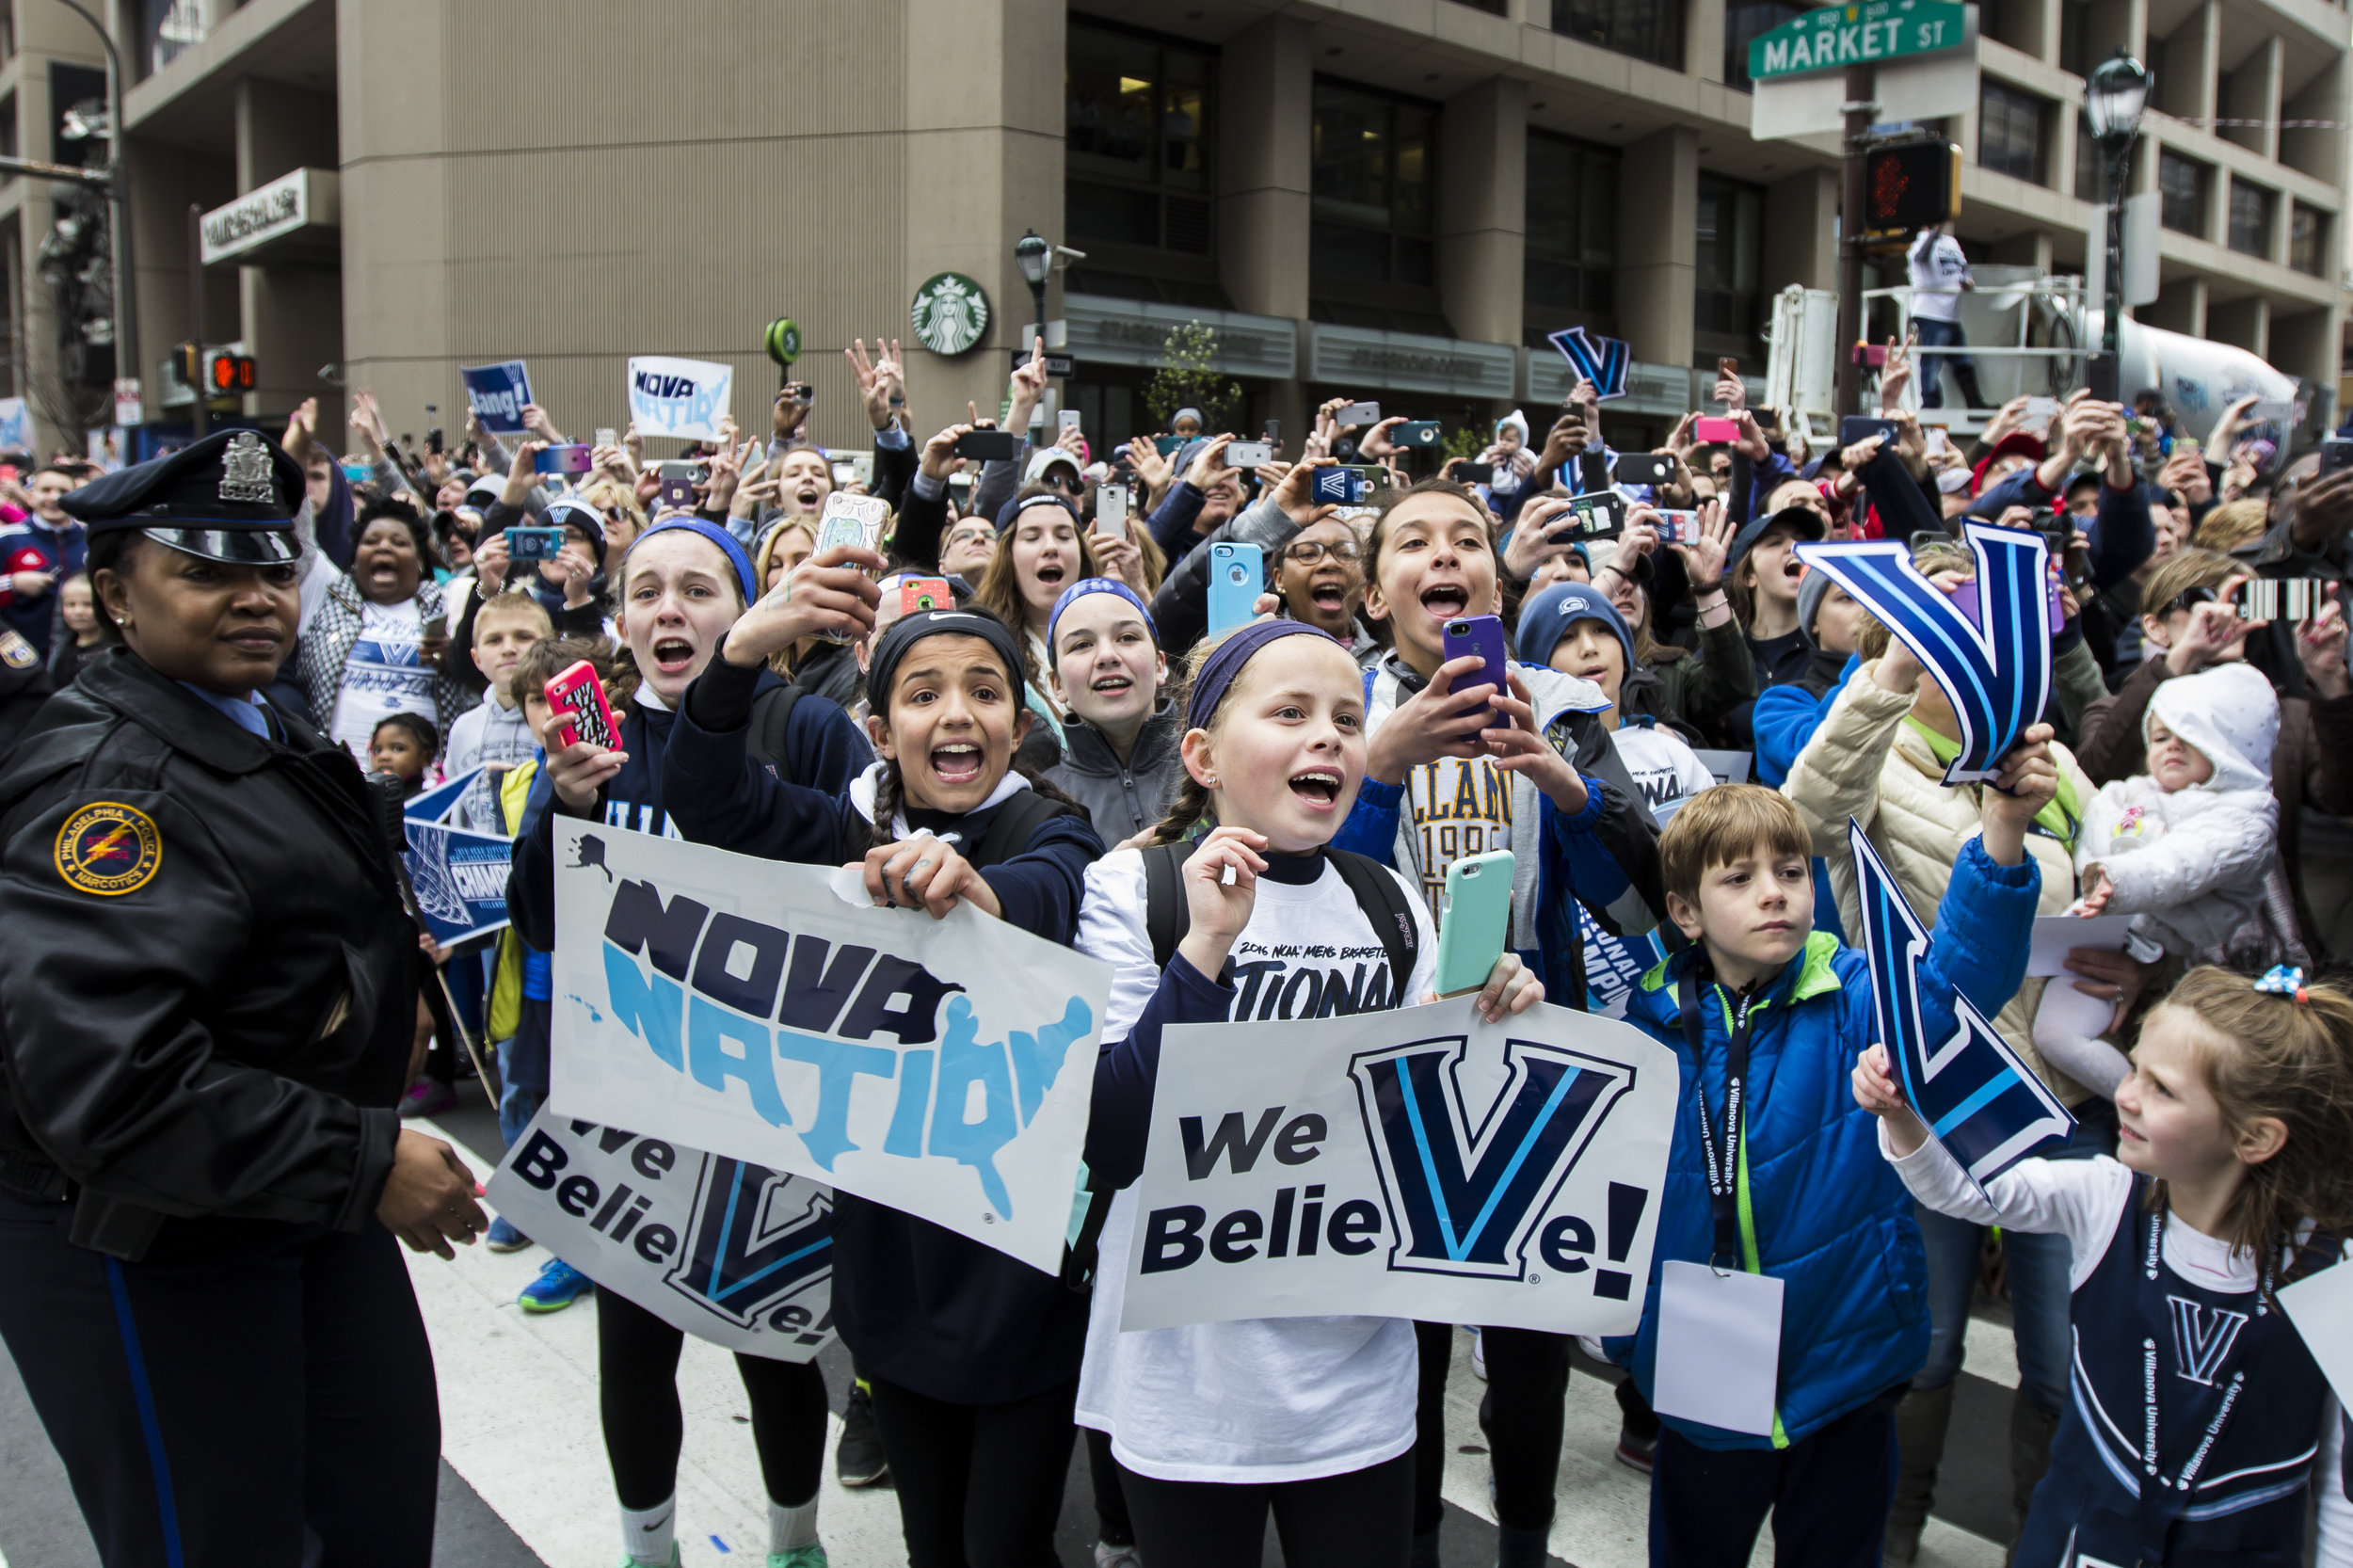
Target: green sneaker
811, 1556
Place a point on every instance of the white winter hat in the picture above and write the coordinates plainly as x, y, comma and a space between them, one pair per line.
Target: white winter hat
2230, 714
1514, 421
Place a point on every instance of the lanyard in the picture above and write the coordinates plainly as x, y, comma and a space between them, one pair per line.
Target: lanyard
2162, 1500
1723, 1174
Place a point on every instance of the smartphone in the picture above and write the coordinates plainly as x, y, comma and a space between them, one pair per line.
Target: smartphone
1066, 419
2336, 453
1248, 455
1862, 427
570, 457
1168, 445
1939, 441
358, 474
678, 487
852, 519
1481, 636
433, 438
1474, 474
1678, 527
1417, 433
798, 392
1111, 510
578, 696
607, 436
434, 626
1359, 414
2271, 411
2295, 600
1237, 577
990, 445
1709, 430
925, 593
1273, 433
1347, 487
2040, 409
1598, 516
1645, 467
533, 544
1476, 918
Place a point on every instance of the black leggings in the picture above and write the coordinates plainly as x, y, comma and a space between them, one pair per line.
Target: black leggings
1528, 1381
979, 1484
1363, 1519
1112, 1525
638, 1374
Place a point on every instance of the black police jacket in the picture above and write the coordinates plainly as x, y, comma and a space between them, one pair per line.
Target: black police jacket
208, 983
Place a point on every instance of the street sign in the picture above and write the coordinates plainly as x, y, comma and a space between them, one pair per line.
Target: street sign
1834, 37
128, 407
1057, 363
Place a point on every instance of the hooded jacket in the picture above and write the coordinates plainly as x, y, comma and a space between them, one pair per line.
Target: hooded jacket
1122, 799
1820, 1209
2191, 865
1864, 761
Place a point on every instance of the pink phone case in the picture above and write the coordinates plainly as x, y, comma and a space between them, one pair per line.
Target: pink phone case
579, 695
1708, 428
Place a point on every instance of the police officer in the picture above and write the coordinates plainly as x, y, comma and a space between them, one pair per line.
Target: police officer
208, 1005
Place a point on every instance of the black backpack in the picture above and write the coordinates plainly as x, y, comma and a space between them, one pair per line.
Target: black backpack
772, 718
1166, 919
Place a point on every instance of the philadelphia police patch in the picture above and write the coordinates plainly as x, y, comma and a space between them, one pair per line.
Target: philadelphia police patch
108, 849
16, 652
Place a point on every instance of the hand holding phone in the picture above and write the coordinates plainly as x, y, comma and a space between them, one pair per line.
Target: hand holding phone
1111, 510
1480, 637
1237, 577
1363, 415
533, 544
578, 698
1476, 922
990, 445
1248, 455
1712, 430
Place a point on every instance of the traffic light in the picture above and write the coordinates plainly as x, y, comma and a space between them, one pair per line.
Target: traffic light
189, 357
229, 375
1911, 186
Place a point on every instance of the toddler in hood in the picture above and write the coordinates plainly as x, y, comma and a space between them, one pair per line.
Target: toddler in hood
1514, 463
2187, 847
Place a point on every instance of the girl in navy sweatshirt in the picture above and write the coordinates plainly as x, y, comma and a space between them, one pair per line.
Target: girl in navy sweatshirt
971, 1358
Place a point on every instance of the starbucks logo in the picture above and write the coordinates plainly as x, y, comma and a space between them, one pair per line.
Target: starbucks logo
950, 313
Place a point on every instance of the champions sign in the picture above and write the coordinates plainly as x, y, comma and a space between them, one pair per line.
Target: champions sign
1411, 1163
747, 1007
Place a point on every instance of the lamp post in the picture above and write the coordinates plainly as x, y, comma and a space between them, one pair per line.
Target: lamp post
2114, 97
119, 203
1036, 259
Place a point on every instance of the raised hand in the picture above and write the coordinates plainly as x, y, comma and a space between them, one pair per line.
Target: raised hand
1221, 908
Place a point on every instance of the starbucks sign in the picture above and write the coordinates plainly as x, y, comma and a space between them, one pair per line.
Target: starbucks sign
950, 313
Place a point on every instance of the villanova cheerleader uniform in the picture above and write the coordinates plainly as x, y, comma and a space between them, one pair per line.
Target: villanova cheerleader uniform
2242, 1419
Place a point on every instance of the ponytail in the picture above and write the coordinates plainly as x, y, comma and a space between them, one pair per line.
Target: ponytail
1184, 813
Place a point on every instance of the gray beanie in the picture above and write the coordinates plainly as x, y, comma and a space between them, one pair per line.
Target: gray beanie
1811, 590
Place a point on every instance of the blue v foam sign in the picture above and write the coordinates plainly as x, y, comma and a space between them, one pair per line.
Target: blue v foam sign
1995, 668
1978, 1101
1603, 362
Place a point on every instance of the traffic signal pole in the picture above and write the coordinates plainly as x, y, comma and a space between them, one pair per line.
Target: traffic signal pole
1852, 204
196, 311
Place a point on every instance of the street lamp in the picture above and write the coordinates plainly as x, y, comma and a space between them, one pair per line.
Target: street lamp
1038, 258
2114, 97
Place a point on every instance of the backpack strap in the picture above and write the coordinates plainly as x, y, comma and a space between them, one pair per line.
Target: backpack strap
1008, 832
1166, 916
1382, 899
772, 721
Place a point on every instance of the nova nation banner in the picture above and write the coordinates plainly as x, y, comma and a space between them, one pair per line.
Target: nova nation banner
1414, 1164
746, 1007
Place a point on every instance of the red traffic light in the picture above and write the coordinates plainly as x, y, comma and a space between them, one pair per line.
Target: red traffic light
232, 373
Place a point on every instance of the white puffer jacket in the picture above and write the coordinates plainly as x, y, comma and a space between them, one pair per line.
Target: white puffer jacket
1866, 764
2191, 866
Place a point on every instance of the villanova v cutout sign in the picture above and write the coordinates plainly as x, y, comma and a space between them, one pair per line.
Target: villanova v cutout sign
1994, 666
1983, 1104
1603, 362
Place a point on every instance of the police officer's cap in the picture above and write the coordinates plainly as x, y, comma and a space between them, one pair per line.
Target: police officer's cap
230, 497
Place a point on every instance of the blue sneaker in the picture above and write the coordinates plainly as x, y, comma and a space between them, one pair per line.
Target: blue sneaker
558, 1286
503, 1237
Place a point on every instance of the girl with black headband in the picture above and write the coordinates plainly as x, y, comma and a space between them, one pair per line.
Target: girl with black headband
1215, 1424
684, 582
971, 1358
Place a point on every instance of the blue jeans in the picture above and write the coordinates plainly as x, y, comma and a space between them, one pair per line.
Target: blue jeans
1939, 334
516, 1104
2038, 1294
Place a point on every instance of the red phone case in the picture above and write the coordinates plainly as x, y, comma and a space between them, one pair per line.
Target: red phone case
579, 695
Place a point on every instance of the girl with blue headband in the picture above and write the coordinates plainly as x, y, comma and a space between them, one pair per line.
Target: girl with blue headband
1120, 735
1313, 1418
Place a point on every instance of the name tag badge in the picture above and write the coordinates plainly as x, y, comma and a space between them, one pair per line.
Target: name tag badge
1718, 1357
2321, 1307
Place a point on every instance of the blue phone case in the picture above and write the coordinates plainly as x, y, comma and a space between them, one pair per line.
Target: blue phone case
1472, 931
1481, 635
1237, 577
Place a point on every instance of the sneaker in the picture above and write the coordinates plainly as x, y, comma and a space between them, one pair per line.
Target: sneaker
632, 1563
810, 1555
1109, 1556
428, 1097
1478, 1356
558, 1286
857, 1458
503, 1237
1634, 1452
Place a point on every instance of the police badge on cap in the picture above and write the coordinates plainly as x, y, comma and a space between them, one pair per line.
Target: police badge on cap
231, 496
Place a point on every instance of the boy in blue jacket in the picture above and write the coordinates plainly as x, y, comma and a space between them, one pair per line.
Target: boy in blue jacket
1791, 1008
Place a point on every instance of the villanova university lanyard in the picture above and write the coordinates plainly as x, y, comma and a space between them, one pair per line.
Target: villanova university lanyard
2203, 1341
1723, 1174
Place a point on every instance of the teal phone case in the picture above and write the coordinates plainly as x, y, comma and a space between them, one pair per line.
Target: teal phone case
1477, 917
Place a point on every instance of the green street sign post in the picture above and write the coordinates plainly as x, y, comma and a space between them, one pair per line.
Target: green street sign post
1834, 37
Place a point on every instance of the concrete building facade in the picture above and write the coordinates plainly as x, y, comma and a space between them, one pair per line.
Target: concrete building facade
1395, 198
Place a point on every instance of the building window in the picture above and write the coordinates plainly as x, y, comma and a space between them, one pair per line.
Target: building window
1725, 306
1647, 30
169, 28
2250, 217
7, 136
1744, 20
2308, 240
2074, 18
1568, 278
1371, 156
1136, 142
1492, 8
2009, 132
2182, 189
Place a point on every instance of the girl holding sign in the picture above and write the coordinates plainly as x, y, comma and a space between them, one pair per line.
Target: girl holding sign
2235, 1179
971, 1357
683, 584
1215, 1424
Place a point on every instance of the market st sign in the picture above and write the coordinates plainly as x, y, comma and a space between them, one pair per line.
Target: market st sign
1835, 36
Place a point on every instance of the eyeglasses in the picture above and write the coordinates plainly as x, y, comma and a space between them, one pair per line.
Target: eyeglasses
1307, 552
2189, 598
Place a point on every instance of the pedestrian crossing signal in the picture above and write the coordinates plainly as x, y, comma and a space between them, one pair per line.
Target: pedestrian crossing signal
1911, 186
229, 374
